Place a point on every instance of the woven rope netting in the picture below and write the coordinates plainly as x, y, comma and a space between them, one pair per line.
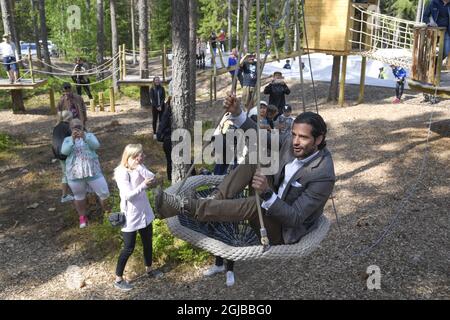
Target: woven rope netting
382, 37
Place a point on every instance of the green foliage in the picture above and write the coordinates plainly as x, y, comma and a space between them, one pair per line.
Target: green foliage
6, 142
160, 23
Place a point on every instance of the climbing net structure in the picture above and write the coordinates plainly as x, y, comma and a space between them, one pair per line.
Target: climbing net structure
382, 37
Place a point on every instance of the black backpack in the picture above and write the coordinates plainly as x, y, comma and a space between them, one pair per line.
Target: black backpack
60, 132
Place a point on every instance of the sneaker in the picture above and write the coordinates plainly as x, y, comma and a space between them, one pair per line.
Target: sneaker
154, 273
169, 205
154, 136
83, 222
213, 270
396, 100
230, 278
67, 198
123, 285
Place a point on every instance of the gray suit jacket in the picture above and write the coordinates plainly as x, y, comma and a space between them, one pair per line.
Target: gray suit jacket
300, 207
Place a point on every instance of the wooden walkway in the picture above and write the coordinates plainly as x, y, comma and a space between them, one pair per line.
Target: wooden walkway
26, 84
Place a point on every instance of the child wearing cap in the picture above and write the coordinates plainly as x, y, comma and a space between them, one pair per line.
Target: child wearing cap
285, 121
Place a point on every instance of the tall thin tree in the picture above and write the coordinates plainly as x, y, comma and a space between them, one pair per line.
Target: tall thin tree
230, 21
9, 27
44, 34
114, 42
143, 50
287, 27
192, 56
100, 34
246, 13
180, 75
34, 19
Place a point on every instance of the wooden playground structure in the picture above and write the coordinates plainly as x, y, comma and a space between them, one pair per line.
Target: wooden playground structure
339, 28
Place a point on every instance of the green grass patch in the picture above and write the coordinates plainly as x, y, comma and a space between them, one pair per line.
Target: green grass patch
7, 142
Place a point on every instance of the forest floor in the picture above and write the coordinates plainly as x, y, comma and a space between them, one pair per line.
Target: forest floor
391, 171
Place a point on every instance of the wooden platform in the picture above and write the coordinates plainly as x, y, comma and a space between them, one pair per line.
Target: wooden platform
135, 80
443, 90
26, 84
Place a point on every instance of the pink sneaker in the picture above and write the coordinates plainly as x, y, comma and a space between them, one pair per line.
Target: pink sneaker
83, 222
396, 100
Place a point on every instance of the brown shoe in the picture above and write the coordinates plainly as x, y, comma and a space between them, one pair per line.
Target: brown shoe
169, 205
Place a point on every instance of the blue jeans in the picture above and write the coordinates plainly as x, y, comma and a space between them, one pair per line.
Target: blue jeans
446, 44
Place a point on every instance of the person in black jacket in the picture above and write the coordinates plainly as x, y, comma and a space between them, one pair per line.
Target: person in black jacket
277, 91
157, 98
164, 134
60, 132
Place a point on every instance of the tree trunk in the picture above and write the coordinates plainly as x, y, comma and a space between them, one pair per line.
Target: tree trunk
100, 35
133, 35
247, 11
88, 5
230, 21
296, 31
8, 27
44, 35
143, 50
333, 93
34, 17
419, 11
180, 75
114, 42
287, 22
15, 31
192, 57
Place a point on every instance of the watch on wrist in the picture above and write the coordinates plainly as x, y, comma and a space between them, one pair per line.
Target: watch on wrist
266, 195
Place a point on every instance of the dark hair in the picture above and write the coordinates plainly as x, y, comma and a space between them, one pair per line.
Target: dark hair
66, 86
319, 127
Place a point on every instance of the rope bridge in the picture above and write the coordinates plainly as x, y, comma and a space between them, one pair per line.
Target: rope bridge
382, 37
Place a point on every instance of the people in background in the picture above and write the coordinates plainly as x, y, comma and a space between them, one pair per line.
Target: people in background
157, 98
60, 132
285, 121
221, 38
10, 57
277, 90
72, 102
201, 53
164, 135
437, 14
83, 168
213, 43
249, 68
287, 65
232, 62
133, 179
80, 78
400, 76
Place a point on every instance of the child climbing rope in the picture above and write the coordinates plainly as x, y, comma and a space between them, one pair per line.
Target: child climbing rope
400, 75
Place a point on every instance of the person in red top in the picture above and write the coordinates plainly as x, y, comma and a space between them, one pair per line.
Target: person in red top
221, 38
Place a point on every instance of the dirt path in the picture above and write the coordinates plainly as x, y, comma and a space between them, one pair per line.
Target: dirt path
378, 149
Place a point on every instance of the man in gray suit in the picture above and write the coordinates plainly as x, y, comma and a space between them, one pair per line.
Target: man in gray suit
293, 198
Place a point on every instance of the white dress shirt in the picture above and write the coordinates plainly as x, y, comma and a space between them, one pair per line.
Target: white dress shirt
289, 170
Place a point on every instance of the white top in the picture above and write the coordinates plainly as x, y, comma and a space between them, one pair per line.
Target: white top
8, 49
133, 198
289, 170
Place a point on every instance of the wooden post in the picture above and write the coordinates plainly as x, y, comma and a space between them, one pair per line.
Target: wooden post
101, 101
215, 88
210, 90
52, 101
92, 105
362, 81
112, 100
30, 63
120, 63
164, 74
440, 58
342, 84
124, 62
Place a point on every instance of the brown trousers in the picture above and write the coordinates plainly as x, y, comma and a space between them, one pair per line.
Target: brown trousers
226, 209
